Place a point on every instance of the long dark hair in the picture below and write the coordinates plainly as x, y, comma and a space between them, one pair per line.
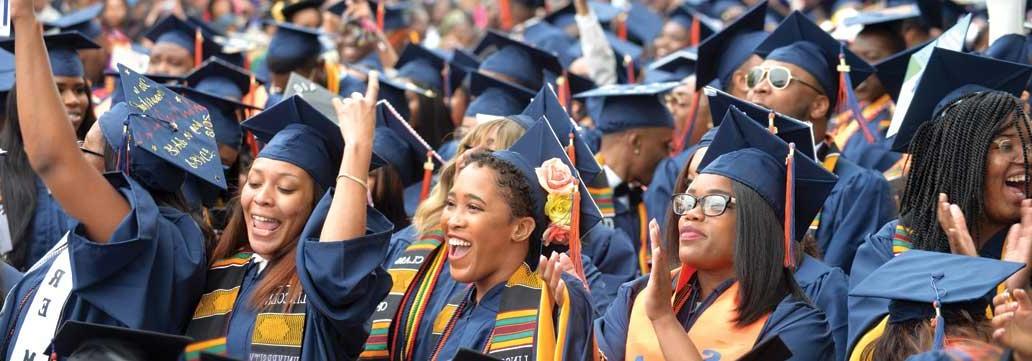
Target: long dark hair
433, 122
388, 196
948, 155
903, 339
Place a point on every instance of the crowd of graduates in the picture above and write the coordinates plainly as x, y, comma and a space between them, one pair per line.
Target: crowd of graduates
516, 180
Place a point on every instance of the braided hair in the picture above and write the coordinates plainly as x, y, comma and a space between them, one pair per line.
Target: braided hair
948, 155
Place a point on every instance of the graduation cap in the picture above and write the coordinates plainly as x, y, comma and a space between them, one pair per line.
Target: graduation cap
673, 67
748, 153
893, 70
460, 64
285, 9
565, 17
393, 90
884, 16
402, 147
616, 108
915, 280
422, 66
546, 104
174, 30
62, 49
686, 16
640, 24
721, 54
536, 146
515, 59
799, 41
291, 47
941, 84
787, 128
160, 136
223, 111
496, 97
628, 56
117, 96
104, 342
295, 132
219, 77
548, 37
316, 95
85, 21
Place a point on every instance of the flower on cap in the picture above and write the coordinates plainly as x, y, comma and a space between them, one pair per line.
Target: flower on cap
557, 179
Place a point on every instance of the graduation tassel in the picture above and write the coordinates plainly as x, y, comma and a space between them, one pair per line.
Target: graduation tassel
696, 32
848, 98
770, 124
683, 139
379, 15
198, 48
564, 92
790, 208
575, 241
428, 176
621, 26
629, 68
332, 77
505, 13
940, 323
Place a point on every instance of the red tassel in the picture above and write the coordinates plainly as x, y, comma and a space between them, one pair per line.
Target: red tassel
505, 13
696, 32
575, 241
564, 91
847, 99
629, 67
379, 15
621, 26
682, 140
428, 174
198, 48
789, 225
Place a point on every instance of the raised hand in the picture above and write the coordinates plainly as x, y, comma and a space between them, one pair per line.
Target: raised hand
551, 270
953, 223
356, 114
1018, 247
1012, 322
659, 291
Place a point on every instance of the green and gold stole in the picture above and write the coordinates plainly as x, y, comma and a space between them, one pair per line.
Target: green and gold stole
276, 333
415, 276
524, 327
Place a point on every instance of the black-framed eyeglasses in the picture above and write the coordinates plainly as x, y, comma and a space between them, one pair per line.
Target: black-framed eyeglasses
712, 205
778, 77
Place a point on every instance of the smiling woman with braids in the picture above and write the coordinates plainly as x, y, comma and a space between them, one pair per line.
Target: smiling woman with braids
972, 151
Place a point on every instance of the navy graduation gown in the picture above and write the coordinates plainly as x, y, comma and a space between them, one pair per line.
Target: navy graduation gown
611, 252
877, 156
827, 288
411, 197
802, 327
858, 205
342, 282
448, 149
148, 276
49, 224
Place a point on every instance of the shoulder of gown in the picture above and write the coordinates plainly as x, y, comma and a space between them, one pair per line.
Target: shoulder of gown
400, 240
865, 311
803, 328
613, 254
827, 287
859, 204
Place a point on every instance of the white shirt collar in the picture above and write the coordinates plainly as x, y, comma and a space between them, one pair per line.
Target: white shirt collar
260, 261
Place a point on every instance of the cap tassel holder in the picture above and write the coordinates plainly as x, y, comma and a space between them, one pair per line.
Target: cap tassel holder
564, 91
629, 68
790, 208
428, 176
845, 93
683, 139
198, 48
505, 13
575, 241
380, 10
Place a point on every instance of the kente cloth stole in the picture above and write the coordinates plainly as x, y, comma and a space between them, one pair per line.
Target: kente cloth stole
714, 332
524, 327
278, 332
604, 199
414, 281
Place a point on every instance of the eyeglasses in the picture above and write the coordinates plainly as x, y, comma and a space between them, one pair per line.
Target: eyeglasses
712, 205
1011, 148
778, 77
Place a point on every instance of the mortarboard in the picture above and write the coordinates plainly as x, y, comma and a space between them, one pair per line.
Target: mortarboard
393, 91
291, 47
721, 54
460, 64
941, 84
219, 77
884, 16
642, 24
223, 112
117, 96
623, 50
104, 342
536, 146
401, 146
548, 37
675, 66
576, 83
174, 133
546, 104
893, 69
314, 94
788, 129
515, 59
174, 30
495, 96
616, 108
295, 132
799, 41
62, 49
748, 153
84, 20
916, 279
685, 16
422, 66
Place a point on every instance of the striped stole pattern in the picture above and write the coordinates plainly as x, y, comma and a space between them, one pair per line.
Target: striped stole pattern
604, 199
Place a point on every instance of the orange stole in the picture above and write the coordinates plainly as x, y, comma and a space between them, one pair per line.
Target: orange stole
714, 333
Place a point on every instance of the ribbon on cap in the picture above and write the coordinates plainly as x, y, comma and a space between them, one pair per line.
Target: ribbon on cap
789, 225
848, 97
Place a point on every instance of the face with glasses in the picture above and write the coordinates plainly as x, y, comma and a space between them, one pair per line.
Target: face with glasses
706, 223
790, 90
1004, 184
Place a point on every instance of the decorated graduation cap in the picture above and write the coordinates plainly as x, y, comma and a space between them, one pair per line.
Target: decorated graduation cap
893, 69
539, 155
748, 153
942, 85
117, 96
799, 41
546, 104
85, 21
787, 128
699, 25
186, 35
295, 132
62, 49
721, 54
402, 147
616, 108
422, 66
103, 342
291, 47
922, 285
495, 96
515, 59
674, 67
160, 136
223, 111
219, 77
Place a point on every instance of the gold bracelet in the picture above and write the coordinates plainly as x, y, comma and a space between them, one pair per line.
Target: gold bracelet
353, 178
